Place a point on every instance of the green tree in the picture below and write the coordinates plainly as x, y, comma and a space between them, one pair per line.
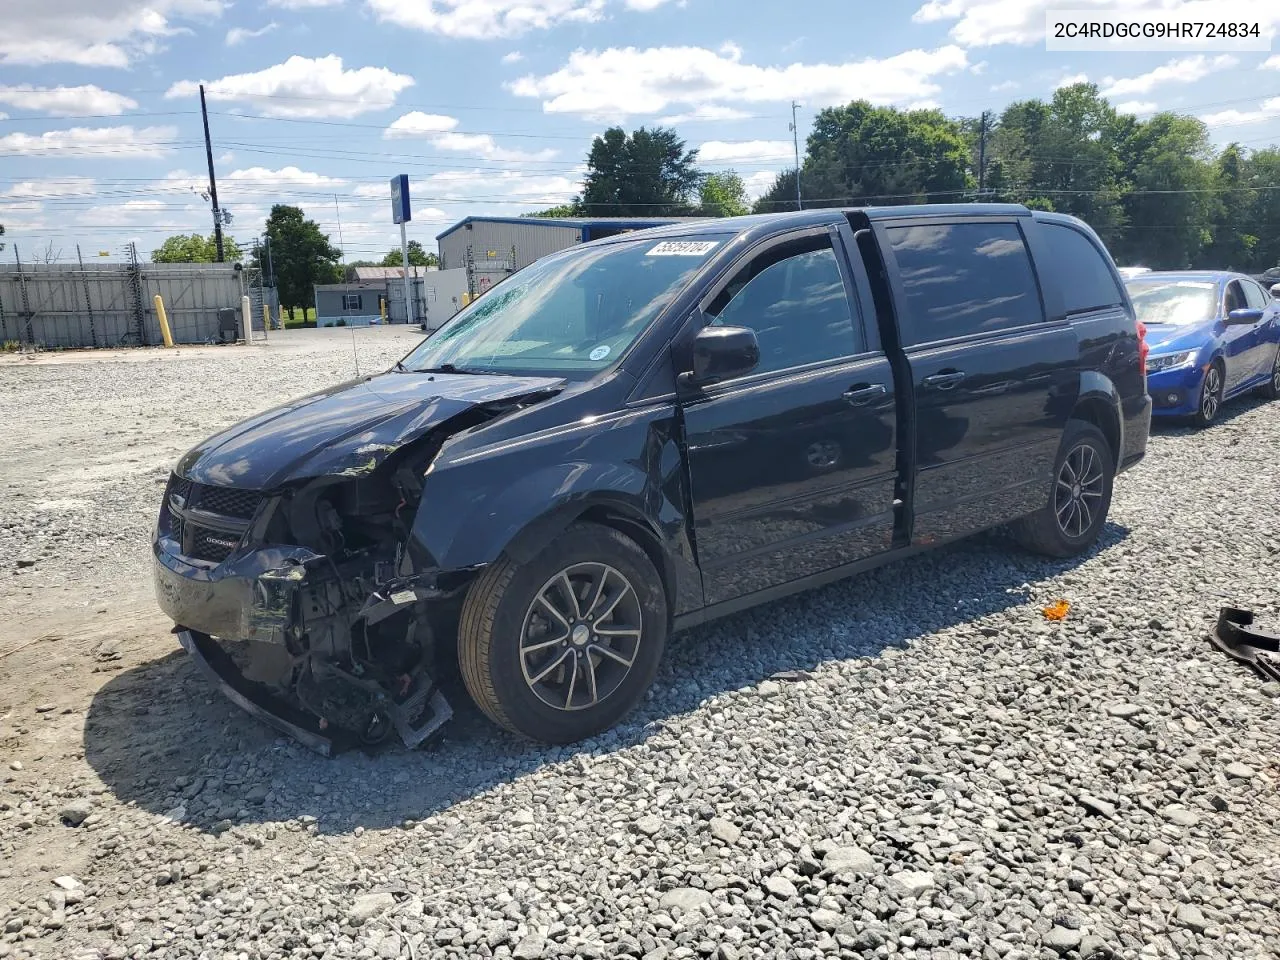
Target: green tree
723, 195
649, 173
1262, 178
193, 248
302, 256
563, 210
860, 154
418, 257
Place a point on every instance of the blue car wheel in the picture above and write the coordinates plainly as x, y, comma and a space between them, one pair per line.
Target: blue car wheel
1210, 395
1272, 390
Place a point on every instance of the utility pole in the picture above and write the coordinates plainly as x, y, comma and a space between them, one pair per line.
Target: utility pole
213, 183
795, 141
982, 153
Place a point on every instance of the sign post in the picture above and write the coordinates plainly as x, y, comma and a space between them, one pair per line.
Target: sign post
401, 214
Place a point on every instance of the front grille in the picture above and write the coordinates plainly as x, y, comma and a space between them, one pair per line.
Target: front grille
232, 507
211, 545
227, 501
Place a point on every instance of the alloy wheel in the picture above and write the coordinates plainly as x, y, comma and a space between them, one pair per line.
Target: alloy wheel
580, 637
1275, 373
1079, 491
1211, 396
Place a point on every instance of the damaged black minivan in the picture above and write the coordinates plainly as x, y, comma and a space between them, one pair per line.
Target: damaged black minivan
636, 435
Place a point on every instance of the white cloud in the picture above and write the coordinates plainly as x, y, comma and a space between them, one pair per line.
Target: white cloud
131, 213
1072, 80
979, 68
419, 124
1186, 70
372, 190
49, 189
117, 142
718, 151
93, 33
438, 130
498, 185
484, 145
645, 4
632, 81
305, 87
984, 23
1271, 63
758, 183
237, 35
515, 56
66, 101
485, 19
705, 113
303, 4
1268, 110
1005, 85
285, 175
1136, 107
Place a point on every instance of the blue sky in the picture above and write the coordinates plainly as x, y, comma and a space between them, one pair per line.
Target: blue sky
490, 105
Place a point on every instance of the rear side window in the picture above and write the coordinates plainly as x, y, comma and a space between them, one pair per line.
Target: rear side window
1084, 278
964, 278
1235, 297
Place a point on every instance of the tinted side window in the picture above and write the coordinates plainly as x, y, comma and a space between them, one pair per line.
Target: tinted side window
1235, 298
1254, 295
794, 298
963, 278
1084, 277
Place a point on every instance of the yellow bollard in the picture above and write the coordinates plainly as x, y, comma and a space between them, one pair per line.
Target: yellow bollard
266, 318
164, 322
382, 308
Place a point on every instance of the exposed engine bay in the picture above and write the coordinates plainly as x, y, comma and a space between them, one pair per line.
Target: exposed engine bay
320, 619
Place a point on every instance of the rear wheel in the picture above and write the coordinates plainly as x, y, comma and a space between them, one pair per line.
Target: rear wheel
1210, 395
1272, 390
563, 647
1081, 496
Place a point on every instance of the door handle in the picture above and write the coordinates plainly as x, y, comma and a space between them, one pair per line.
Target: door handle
864, 393
944, 380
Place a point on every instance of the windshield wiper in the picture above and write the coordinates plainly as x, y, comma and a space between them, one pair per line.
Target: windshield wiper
450, 368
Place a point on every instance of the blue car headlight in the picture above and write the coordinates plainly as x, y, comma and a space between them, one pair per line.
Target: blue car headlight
1170, 361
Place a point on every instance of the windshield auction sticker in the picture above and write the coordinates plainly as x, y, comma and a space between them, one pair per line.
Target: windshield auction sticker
683, 248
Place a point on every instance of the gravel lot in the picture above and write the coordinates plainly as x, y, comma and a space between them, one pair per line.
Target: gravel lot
913, 763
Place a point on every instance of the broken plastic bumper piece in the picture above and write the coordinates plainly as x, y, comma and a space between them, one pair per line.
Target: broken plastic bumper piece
1239, 639
418, 715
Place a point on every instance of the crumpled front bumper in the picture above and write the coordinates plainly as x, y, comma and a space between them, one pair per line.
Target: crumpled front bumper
246, 597
215, 664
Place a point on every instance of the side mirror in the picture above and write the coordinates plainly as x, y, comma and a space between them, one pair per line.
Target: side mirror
1245, 316
721, 353
1275, 291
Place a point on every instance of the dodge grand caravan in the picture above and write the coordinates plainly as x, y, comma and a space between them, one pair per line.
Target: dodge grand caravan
639, 434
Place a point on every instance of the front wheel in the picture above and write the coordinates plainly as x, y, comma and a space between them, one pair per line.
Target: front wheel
1210, 395
563, 647
1081, 496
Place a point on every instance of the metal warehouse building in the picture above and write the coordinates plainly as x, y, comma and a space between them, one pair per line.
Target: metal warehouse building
492, 248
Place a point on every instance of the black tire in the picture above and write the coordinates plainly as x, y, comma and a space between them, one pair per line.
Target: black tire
1272, 390
1065, 528
498, 635
1211, 391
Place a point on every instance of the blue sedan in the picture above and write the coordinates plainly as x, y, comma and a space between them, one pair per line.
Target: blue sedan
1212, 336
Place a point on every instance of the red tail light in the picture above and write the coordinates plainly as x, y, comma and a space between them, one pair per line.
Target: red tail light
1143, 349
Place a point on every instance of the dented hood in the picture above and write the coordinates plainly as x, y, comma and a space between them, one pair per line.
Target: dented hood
347, 430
